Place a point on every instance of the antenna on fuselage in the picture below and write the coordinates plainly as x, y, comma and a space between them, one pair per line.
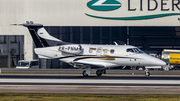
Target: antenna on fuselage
115, 43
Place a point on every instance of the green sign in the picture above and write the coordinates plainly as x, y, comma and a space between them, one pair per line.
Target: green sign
104, 5
109, 5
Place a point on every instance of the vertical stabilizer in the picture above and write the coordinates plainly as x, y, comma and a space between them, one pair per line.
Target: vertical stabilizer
40, 36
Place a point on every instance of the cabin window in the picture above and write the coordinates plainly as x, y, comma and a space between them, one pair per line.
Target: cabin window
62, 48
90, 50
112, 51
105, 50
99, 50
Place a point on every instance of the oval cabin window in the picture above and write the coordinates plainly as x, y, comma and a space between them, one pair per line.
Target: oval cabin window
112, 51
105, 50
90, 50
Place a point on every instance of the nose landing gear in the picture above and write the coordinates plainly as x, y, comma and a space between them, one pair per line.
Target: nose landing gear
147, 72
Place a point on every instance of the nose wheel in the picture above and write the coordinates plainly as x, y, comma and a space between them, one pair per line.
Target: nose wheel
147, 72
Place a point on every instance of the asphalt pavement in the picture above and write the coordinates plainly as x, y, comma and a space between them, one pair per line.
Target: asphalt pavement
76, 83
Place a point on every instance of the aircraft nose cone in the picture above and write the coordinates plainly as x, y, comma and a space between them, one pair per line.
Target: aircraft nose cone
160, 62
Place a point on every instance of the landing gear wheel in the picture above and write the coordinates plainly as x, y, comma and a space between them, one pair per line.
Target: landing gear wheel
147, 74
98, 73
85, 74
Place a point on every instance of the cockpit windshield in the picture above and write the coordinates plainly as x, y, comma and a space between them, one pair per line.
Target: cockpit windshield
137, 50
134, 50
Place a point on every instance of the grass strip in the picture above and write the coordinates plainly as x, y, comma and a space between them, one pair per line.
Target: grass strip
85, 97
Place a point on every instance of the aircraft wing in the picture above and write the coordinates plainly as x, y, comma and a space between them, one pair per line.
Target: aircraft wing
99, 64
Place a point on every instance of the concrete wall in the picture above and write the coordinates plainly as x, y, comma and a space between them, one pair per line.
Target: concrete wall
73, 13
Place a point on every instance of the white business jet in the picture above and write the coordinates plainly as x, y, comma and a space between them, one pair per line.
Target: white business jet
87, 57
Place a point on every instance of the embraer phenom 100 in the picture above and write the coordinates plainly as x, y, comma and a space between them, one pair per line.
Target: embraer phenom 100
86, 56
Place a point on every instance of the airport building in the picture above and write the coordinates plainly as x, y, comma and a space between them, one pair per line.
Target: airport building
152, 25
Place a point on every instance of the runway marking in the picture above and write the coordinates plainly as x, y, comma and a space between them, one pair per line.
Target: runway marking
95, 85
90, 81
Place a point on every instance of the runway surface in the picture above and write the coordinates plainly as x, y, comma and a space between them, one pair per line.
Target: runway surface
80, 71
106, 84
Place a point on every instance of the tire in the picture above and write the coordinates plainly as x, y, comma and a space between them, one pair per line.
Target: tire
84, 74
98, 73
147, 74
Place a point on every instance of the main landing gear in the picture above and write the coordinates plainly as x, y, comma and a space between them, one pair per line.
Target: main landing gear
147, 72
87, 72
99, 72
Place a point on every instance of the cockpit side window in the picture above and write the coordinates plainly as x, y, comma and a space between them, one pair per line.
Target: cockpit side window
130, 50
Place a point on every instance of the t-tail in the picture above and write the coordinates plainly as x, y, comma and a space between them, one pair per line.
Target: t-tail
40, 36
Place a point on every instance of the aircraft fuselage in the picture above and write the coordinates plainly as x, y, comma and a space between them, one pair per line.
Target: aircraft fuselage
117, 55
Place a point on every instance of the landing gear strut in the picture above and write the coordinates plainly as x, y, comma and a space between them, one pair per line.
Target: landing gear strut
147, 72
87, 71
99, 72
85, 74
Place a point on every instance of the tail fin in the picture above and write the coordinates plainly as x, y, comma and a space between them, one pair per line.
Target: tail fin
40, 36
